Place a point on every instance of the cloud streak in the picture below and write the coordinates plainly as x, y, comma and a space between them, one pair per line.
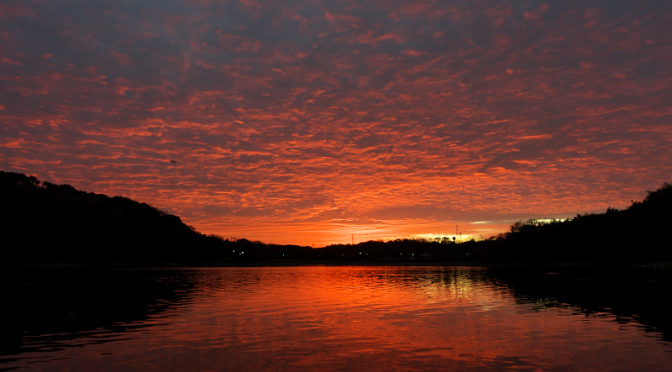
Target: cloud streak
309, 121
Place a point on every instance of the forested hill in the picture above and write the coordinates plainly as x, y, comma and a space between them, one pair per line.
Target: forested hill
640, 233
41, 222
44, 222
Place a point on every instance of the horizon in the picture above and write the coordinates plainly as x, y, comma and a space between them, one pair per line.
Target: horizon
456, 237
317, 123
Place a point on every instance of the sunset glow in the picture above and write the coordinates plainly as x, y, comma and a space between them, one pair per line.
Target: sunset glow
316, 122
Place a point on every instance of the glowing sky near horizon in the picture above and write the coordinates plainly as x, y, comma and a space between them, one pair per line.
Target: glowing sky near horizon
309, 121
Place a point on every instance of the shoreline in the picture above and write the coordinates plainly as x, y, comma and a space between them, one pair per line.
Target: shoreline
664, 266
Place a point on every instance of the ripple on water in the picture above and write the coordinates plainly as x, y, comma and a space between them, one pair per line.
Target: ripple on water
340, 318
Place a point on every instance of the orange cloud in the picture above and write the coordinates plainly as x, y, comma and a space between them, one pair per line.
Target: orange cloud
308, 123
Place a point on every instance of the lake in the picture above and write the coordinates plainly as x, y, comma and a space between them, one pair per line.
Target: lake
335, 318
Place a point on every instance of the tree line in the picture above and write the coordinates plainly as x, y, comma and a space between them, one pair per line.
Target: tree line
41, 222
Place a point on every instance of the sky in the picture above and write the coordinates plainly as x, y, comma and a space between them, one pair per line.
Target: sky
317, 122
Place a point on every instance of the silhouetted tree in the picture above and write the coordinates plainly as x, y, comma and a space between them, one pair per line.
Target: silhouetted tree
44, 222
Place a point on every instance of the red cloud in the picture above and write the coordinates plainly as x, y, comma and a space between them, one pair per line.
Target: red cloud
307, 123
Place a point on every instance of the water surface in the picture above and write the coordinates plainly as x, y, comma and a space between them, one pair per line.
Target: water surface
334, 318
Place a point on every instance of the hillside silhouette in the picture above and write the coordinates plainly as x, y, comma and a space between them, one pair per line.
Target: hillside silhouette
41, 222
44, 222
638, 234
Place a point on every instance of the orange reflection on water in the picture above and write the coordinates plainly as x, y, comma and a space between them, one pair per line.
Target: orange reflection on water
378, 318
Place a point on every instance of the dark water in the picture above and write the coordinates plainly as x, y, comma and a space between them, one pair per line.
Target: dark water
335, 318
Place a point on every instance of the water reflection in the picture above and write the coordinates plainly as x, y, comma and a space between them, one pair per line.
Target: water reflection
338, 318
636, 296
52, 309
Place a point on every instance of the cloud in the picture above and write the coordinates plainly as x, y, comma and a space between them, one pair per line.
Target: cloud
394, 119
